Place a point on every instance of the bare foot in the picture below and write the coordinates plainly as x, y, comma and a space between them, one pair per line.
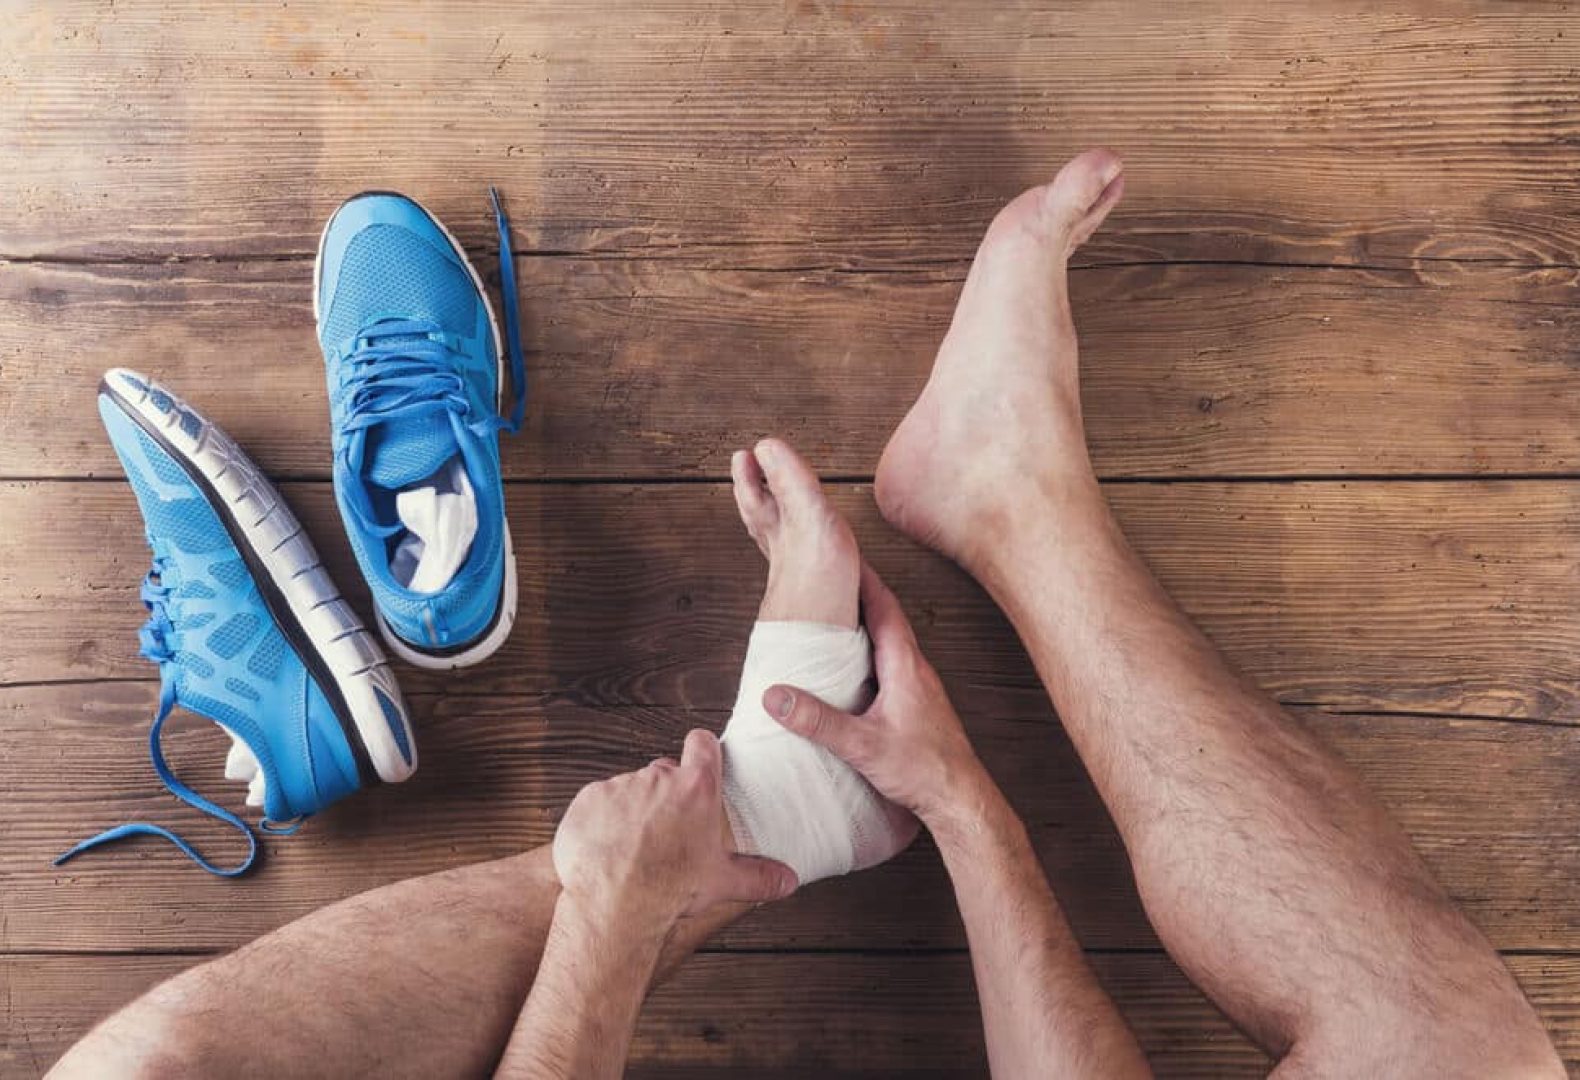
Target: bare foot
814, 566
1001, 412
814, 575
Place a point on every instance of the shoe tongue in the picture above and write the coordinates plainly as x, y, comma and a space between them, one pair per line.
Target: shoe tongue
405, 451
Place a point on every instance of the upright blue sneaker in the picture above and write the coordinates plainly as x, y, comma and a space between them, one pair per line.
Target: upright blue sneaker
414, 359
246, 627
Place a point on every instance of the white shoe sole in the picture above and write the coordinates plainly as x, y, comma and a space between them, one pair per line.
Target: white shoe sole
320, 626
506, 617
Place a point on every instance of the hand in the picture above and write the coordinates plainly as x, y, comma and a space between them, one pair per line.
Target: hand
909, 744
652, 846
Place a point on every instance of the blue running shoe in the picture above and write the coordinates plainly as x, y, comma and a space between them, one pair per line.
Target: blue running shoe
246, 627
414, 359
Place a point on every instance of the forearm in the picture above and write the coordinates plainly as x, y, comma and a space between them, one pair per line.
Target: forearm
475, 931
583, 1006
1043, 1011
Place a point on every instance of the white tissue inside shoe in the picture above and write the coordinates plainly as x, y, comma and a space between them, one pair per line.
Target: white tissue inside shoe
440, 517
242, 764
239, 763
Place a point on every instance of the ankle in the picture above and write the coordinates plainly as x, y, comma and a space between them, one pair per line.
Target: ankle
1043, 509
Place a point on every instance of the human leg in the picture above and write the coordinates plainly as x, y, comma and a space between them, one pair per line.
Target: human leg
426, 976
1272, 875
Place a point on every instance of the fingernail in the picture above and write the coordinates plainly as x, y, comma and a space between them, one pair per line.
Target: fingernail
788, 882
783, 703
765, 451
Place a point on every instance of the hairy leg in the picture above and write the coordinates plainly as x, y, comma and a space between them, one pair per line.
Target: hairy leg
427, 976
421, 978
1275, 879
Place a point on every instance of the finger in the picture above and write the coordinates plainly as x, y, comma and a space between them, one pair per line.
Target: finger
813, 718
881, 612
752, 879
663, 763
701, 753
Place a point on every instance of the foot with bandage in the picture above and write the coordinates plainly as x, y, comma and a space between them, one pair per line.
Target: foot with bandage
786, 797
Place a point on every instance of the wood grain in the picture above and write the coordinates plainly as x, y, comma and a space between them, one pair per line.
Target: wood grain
1454, 597
657, 370
1483, 800
1348, 252
793, 133
783, 1016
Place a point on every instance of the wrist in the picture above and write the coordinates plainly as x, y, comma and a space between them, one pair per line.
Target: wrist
608, 919
970, 809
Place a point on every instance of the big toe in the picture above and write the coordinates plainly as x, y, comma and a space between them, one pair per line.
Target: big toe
791, 480
1083, 193
758, 512
1060, 215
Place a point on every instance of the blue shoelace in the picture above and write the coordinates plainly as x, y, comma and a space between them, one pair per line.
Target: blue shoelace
403, 369
154, 643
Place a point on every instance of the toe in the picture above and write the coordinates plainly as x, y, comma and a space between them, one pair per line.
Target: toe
758, 511
791, 480
1082, 194
1062, 214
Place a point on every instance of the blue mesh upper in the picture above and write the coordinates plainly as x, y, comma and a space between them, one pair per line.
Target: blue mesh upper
390, 270
266, 658
232, 573
195, 590
406, 453
384, 259
164, 468
188, 524
465, 608
194, 663
231, 662
232, 635
387, 269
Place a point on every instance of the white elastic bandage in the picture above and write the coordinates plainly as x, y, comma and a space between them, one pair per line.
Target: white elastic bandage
786, 797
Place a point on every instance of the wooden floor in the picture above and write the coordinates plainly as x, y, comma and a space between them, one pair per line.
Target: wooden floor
1330, 351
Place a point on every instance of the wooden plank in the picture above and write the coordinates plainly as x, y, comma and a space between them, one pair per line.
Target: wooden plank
1447, 597
837, 1015
765, 133
1484, 801
644, 369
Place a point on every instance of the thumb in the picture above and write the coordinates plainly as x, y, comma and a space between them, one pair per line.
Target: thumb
752, 879
701, 751
813, 718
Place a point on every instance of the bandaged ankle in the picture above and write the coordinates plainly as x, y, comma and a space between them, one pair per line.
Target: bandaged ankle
786, 797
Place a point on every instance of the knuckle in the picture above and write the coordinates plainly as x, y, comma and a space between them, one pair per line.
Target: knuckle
815, 715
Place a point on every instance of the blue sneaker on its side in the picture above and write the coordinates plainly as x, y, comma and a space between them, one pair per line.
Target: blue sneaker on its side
414, 360
246, 626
